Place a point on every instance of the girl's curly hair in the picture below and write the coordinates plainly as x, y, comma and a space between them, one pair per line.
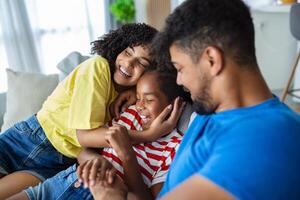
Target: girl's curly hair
113, 43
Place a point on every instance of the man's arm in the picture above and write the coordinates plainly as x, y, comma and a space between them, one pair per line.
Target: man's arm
198, 187
163, 124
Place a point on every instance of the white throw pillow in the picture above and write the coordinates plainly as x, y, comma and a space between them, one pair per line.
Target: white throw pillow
26, 93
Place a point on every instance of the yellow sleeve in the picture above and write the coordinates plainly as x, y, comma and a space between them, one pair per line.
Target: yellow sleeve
91, 85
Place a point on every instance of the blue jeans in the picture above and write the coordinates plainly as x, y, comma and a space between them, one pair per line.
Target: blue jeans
25, 147
62, 186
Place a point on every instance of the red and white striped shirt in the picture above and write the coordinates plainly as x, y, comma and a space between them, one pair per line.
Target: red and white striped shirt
154, 158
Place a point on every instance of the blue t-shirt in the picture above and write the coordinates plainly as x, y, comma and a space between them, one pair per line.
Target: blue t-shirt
252, 152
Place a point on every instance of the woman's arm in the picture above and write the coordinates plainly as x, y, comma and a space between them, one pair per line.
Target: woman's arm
93, 138
164, 123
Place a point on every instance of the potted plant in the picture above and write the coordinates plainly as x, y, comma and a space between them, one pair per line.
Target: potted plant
123, 11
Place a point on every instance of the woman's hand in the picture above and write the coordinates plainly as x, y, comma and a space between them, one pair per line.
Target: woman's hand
124, 100
166, 121
95, 170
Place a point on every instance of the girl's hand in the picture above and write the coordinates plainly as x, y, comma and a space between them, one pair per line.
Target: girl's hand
166, 121
118, 138
124, 100
118, 190
95, 170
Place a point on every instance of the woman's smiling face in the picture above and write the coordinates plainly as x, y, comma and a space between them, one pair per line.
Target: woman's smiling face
150, 99
131, 64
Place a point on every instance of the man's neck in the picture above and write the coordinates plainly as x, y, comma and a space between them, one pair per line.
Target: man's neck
242, 88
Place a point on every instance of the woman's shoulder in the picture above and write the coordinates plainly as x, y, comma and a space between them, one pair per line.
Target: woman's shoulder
97, 60
95, 65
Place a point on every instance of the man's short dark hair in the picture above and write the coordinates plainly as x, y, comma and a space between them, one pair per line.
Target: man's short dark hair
196, 24
166, 80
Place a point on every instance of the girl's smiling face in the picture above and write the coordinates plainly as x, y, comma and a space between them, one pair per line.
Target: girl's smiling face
150, 99
131, 64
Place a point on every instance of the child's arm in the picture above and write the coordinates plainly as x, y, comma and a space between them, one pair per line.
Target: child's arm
118, 138
88, 154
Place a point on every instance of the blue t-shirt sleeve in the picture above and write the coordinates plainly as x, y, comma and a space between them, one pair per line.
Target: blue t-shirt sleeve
251, 160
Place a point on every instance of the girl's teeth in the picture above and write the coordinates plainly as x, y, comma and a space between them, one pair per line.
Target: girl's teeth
143, 117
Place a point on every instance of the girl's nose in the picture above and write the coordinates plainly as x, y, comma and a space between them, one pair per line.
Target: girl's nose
140, 105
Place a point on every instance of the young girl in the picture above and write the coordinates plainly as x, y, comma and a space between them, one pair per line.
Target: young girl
143, 166
73, 115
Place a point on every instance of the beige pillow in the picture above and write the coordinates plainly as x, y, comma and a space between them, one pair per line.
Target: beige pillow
26, 93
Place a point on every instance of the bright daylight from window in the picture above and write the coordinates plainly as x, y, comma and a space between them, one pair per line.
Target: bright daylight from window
59, 27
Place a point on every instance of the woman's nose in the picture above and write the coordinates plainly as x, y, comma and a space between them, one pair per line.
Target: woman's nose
129, 62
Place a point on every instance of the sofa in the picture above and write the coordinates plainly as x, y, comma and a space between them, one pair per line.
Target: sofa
27, 91
2, 107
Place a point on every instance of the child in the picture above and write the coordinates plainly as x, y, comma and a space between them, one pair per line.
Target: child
48, 142
155, 91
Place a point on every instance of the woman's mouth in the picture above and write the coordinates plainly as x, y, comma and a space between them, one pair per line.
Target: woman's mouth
124, 72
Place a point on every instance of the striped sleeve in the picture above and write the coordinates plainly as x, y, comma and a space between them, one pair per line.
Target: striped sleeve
129, 118
169, 153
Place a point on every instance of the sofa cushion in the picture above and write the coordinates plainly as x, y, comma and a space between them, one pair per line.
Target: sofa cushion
26, 93
67, 64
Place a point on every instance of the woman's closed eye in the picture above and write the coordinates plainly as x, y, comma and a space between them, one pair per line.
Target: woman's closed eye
127, 53
143, 63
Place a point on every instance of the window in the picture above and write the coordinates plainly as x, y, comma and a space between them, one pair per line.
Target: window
60, 27
3, 65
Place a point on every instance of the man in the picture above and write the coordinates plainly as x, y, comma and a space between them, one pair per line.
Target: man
244, 143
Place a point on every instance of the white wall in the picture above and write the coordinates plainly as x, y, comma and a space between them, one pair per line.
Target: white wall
275, 46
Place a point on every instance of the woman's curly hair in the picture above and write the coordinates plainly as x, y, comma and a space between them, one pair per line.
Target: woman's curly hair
113, 43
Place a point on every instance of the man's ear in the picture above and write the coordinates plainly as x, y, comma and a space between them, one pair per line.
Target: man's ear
214, 56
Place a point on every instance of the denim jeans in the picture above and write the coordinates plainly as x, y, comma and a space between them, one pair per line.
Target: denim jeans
25, 147
62, 186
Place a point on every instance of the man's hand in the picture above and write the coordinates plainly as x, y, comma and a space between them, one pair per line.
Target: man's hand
95, 170
124, 100
166, 121
118, 138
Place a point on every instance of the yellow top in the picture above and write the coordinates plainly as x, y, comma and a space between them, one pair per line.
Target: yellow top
81, 101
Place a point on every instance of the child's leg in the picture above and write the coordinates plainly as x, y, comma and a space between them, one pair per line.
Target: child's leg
10, 184
62, 186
